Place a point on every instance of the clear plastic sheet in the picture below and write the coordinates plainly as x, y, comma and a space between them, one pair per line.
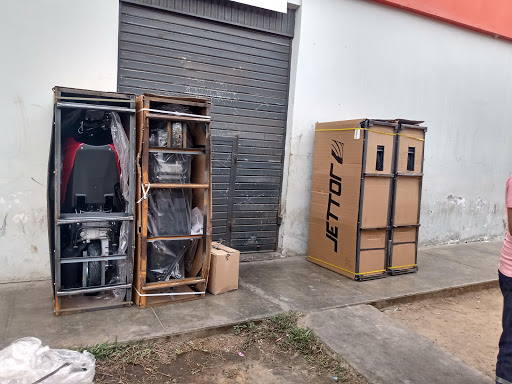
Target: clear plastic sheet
196, 228
174, 108
196, 222
26, 361
168, 215
169, 168
119, 277
169, 212
166, 259
165, 134
189, 257
122, 147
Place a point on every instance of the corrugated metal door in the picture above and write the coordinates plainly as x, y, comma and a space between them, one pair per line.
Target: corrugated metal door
222, 53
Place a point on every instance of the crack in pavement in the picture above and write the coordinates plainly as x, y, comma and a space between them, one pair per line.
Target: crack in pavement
158, 318
10, 316
260, 292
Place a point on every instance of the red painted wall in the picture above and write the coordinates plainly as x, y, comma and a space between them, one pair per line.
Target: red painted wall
493, 17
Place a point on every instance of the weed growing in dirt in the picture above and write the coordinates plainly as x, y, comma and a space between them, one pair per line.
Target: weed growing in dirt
130, 353
278, 340
288, 336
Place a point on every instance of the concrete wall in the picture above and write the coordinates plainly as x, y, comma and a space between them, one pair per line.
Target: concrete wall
354, 58
44, 43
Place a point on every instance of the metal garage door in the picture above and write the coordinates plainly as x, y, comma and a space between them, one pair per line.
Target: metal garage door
238, 56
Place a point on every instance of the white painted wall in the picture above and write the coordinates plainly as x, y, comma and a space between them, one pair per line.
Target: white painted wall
355, 58
44, 43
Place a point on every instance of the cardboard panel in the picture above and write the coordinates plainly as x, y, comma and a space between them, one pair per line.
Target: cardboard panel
404, 255
375, 139
372, 261
404, 235
321, 247
403, 149
407, 200
335, 192
340, 124
375, 202
373, 239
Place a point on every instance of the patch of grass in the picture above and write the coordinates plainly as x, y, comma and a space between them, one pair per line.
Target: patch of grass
129, 353
288, 336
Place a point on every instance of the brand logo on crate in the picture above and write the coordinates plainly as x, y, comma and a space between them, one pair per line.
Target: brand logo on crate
331, 227
337, 151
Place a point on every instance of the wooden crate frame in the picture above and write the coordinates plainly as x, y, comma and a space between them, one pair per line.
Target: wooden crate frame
190, 288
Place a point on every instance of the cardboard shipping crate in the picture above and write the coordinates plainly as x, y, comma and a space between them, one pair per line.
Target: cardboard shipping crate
224, 264
352, 197
405, 217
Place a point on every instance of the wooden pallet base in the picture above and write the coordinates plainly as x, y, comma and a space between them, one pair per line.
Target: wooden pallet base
152, 301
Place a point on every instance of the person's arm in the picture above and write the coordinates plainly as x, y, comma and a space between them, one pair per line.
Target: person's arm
509, 214
508, 204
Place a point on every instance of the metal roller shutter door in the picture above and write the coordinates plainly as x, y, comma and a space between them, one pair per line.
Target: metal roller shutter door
244, 71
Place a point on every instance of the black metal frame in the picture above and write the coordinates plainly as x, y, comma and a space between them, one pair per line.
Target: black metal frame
101, 102
367, 124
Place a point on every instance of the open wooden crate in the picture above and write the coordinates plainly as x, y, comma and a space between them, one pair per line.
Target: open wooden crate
159, 245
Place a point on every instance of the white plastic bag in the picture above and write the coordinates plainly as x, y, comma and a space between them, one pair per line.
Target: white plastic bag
26, 361
196, 222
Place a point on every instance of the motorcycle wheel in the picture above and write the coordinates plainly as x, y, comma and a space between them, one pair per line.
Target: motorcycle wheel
94, 267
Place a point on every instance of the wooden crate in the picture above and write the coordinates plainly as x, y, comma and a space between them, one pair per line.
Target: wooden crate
152, 110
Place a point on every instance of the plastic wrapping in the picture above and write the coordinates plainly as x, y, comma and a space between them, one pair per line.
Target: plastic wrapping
119, 277
169, 215
189, 257
165, 134
196, 222
169, 212
122, 147
166, 259
26, 361
196, 228
169, 168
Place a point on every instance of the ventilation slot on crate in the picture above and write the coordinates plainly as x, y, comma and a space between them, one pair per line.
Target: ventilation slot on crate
410, 158
380, 158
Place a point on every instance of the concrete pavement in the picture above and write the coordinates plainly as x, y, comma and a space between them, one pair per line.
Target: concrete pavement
266, 288
386, 352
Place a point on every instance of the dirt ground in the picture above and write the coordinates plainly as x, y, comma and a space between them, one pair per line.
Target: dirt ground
255, 354
468, 325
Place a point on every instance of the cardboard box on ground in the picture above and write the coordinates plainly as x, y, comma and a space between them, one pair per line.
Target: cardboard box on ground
224, 264
366, 186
